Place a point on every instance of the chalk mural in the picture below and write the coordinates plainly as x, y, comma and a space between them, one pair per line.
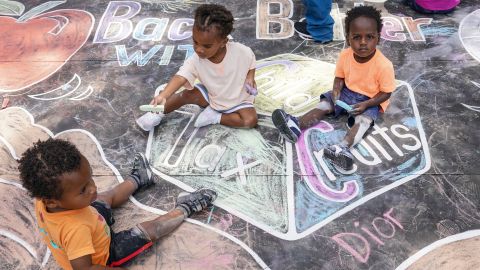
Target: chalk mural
45, 40
251, 167
77, 71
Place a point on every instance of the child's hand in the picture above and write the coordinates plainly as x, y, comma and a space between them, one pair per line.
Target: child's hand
159, 99
358, 108
251, 86
335, 96
251, 90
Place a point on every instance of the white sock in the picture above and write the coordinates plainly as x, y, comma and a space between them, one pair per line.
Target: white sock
208, 117
149, 120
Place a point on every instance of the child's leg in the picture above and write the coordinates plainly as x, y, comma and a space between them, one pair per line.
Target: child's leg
243, 118
119, 194
355, 134
140, 176
163, 224
187, 204
177, 100
127, 244
290, 126
340, 154
316, 115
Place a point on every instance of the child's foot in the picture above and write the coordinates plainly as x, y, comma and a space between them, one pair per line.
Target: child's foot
141, 172
208, 117
301, 29
196, 201
149, 120
287, 125
340, 156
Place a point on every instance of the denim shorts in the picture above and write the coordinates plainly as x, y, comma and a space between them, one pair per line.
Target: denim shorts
351, 98
124, 245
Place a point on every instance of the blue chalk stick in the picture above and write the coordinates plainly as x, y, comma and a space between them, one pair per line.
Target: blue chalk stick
344, 105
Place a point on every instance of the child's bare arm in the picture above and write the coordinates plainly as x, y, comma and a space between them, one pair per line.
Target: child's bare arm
338, 84
374, 101
173, 85
85, 263
251, 78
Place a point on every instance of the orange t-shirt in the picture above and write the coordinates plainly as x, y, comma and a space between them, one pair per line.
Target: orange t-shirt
370, 78
74, 233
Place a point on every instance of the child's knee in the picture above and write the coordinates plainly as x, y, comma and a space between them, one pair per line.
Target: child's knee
250, 121
363, 121
325, 105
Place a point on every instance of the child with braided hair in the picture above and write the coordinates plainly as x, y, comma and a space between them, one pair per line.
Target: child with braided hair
225, 69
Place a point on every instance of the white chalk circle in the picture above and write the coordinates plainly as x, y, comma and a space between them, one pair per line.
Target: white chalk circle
297, 101
469, 34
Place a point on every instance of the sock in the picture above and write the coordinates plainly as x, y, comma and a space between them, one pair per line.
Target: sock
185, 211
149, 120
208, 117
134, 181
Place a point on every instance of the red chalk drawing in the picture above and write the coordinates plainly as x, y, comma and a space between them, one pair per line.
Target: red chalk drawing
5, 102
33, 49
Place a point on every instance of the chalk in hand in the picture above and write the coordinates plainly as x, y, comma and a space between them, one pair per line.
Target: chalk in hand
251, 90
151, 108
344, 105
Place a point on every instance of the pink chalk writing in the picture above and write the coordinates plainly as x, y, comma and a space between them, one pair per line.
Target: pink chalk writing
358, 244
310, 171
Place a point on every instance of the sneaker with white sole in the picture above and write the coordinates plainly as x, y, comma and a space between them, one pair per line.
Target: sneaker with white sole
196, 201
141, 172
301, 29
339, 156
287, 125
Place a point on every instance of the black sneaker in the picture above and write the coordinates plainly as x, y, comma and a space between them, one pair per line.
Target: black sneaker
141, 172
301, 29
340, 156
196, 201
287, 125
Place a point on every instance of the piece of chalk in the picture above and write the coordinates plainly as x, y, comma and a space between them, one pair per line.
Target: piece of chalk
344, 105
151, 108
251, 90
5, 102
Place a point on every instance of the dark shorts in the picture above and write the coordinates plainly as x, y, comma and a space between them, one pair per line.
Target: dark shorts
351, 98
124, 245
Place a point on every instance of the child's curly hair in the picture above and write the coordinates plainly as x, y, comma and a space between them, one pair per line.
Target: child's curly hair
209, 15
42, 164
363, 11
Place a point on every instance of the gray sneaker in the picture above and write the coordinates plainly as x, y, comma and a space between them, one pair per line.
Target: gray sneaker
196, 201
339, 156
141, 172
287, 125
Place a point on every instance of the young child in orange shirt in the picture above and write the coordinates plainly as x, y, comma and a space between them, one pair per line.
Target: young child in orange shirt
75, 222
364, 79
